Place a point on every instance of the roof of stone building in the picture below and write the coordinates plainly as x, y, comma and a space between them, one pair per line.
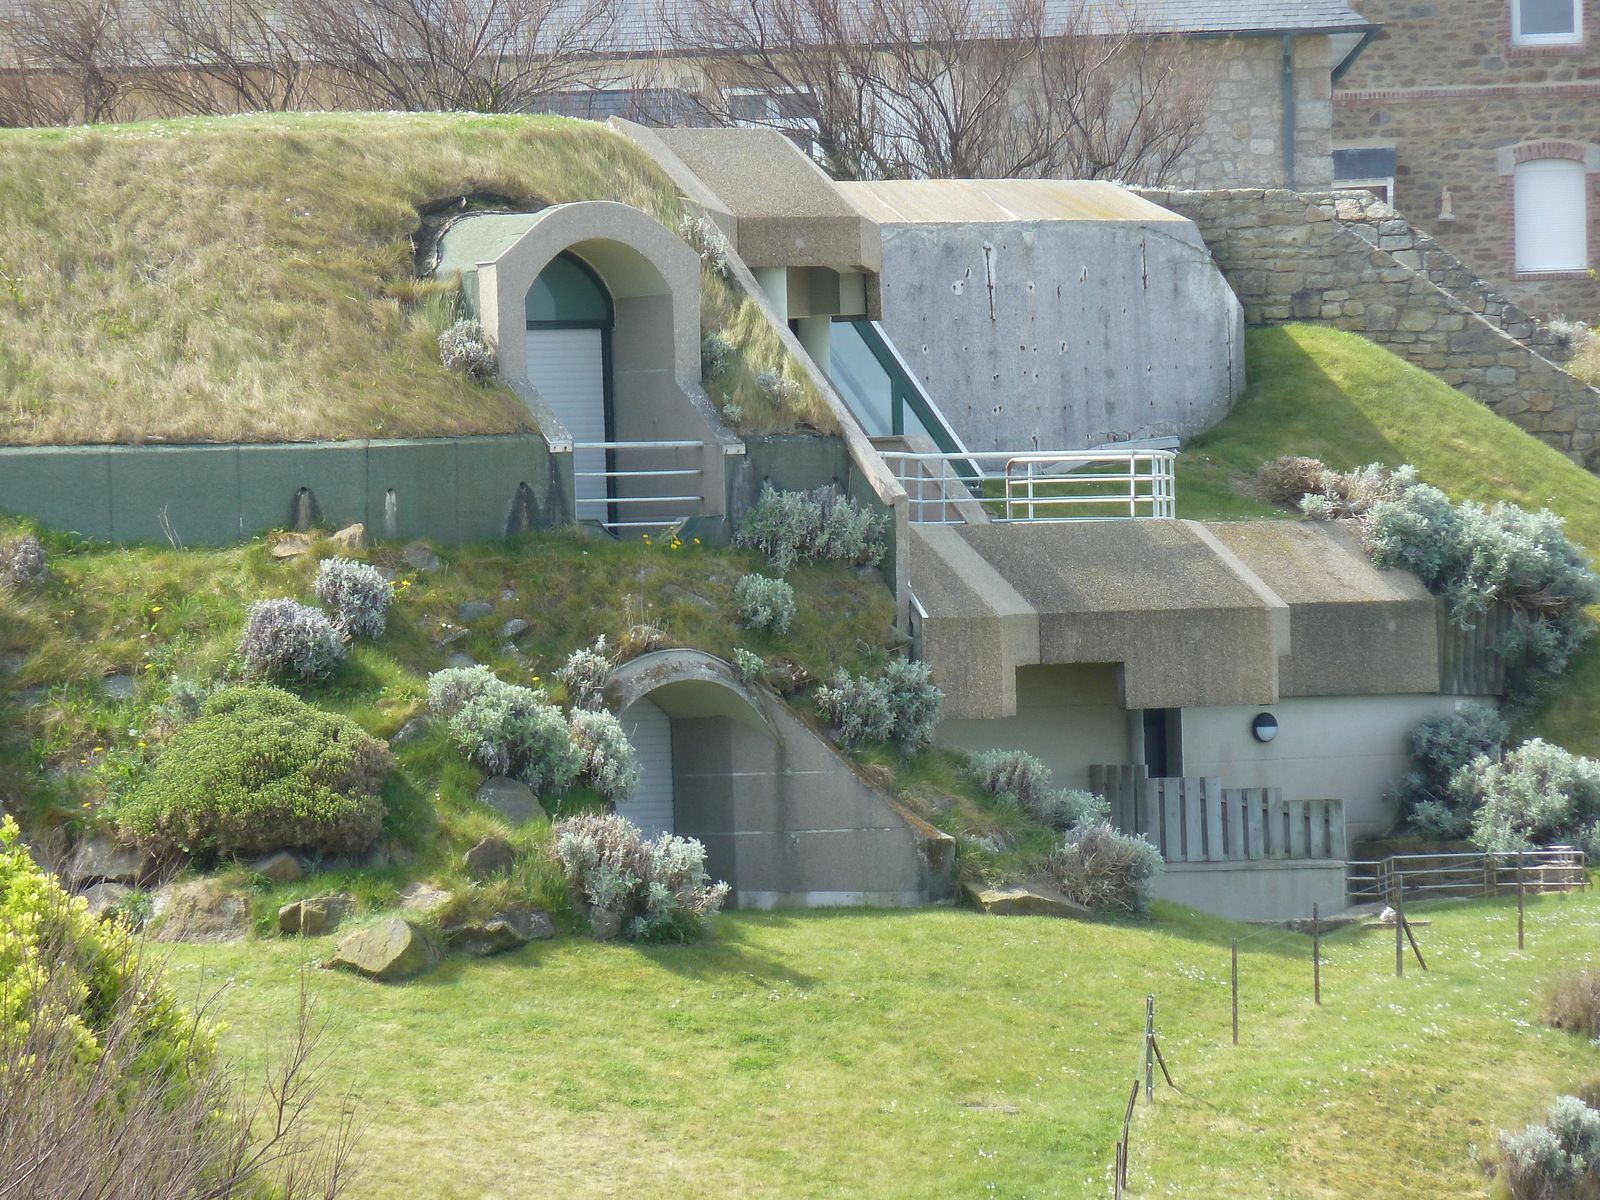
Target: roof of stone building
942, 201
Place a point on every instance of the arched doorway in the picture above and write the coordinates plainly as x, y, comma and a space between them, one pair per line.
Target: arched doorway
570, 318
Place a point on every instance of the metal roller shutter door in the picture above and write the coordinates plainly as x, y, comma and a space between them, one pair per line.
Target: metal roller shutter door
650, 731
568, 368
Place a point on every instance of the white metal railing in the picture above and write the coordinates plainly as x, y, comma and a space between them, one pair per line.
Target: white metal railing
1063, 485
624, 491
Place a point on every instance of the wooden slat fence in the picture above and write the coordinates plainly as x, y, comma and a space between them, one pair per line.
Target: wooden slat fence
1196, 819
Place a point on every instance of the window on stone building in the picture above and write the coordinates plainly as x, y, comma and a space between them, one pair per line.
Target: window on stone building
1546, 22
1551, 223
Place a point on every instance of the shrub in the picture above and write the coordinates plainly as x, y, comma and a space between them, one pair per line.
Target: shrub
1108, 871
1355, 493
606, 758
658, 889
261, 770
464, 347
1574, 1004
1013, 777
285, 639
510, 730
748, 667
708, 241
1537, 793
1285, 480
1070, 808
185, 699
23, 562
452, 687
1556, 1160
789, 527
899, 706
764, 603
1475, 556
117, 1084
776, 388
587, 671
359, 596
1441, 746
715, 352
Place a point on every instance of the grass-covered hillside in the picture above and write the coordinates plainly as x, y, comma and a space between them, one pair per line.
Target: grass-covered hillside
251, 279
908, 1055
1338, 397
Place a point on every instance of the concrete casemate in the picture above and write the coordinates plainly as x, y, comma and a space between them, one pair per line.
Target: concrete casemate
786, 819
1054, 314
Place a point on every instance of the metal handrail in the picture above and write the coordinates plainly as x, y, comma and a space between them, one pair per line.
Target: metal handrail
683, 506
938, 485
1456, 874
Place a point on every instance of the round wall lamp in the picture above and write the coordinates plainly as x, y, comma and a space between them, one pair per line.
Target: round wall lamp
1265, 727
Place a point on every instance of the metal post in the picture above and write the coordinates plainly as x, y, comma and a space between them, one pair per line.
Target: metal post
1400, 925
1316, 956
1519, 899
1149, 1049
1235, 991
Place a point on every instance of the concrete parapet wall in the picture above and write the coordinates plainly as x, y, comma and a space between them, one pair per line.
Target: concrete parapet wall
1343, 259
1256, 891
444, 489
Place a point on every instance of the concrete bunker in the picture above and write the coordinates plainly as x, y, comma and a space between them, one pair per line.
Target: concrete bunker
785, 818
594, 312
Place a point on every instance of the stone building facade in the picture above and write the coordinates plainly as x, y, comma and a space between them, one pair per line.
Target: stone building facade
1469, 102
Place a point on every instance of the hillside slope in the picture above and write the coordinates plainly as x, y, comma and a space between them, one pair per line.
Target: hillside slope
250, 278
1338, 397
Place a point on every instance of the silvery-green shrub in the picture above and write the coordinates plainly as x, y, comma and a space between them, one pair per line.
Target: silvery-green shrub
452, 687
748, 667
1105, 870
1556, 1159
764, 603
1533, 1161
586, 673
510, 730
1287, 479
825, 524
23, 562
778, 390
715, 351
658, 889
901, 705
1441, 746
708, 241
1536, 793
465, 347
606, 757
1012, 777
286, 639
359, 596
1071, 808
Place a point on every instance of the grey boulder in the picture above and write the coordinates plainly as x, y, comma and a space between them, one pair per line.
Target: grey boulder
279, 866
505, 930
201, 913
420, 556
394, 949
315, 915
101, 860
1027, 900
474, 610
104, 896
491, 856
511, 798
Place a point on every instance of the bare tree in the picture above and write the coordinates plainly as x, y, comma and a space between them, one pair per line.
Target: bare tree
472, 55
225, 56
77, 60
951, 88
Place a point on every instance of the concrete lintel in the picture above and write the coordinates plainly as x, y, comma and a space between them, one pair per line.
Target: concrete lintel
1276, 606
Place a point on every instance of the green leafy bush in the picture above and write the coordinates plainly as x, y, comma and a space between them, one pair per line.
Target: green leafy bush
1476, 556
607, 761
791, 527
764, 603
901, 705
259, 770
1537, 793
51, 946
286, 639
1441, 746
658, 890
359, 596
1104, 869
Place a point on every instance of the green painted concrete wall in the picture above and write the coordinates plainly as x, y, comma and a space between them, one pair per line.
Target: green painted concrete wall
446, 489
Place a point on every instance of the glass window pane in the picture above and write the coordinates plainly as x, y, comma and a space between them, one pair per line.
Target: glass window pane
565, 291
1544, 18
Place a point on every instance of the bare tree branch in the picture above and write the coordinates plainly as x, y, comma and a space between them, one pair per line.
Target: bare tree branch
225, 56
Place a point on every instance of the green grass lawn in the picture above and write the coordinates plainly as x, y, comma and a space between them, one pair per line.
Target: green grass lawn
1338, 397
880, 1055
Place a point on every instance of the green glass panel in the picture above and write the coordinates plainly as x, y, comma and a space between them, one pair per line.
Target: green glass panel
566, 291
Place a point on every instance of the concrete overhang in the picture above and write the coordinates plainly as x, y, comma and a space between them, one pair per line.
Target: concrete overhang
784, 209
1354, 630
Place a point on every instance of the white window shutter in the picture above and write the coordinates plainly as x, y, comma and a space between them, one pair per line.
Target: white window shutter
1551, 215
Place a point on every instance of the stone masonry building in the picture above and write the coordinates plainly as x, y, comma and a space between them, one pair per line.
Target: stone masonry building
1482, 118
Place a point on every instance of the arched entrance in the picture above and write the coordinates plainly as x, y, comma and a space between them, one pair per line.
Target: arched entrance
570, 318
649, 728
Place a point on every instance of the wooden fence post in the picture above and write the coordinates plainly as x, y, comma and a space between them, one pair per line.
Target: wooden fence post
1149, 1049
1519, 899
1316, 956
1400, 925
1235, 952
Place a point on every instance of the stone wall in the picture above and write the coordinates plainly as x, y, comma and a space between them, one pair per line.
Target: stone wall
1345, 260
1242, 144
1444, 84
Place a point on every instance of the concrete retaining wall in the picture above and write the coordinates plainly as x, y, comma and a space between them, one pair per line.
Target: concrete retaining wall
1256, 891
446, 489
1343, 259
